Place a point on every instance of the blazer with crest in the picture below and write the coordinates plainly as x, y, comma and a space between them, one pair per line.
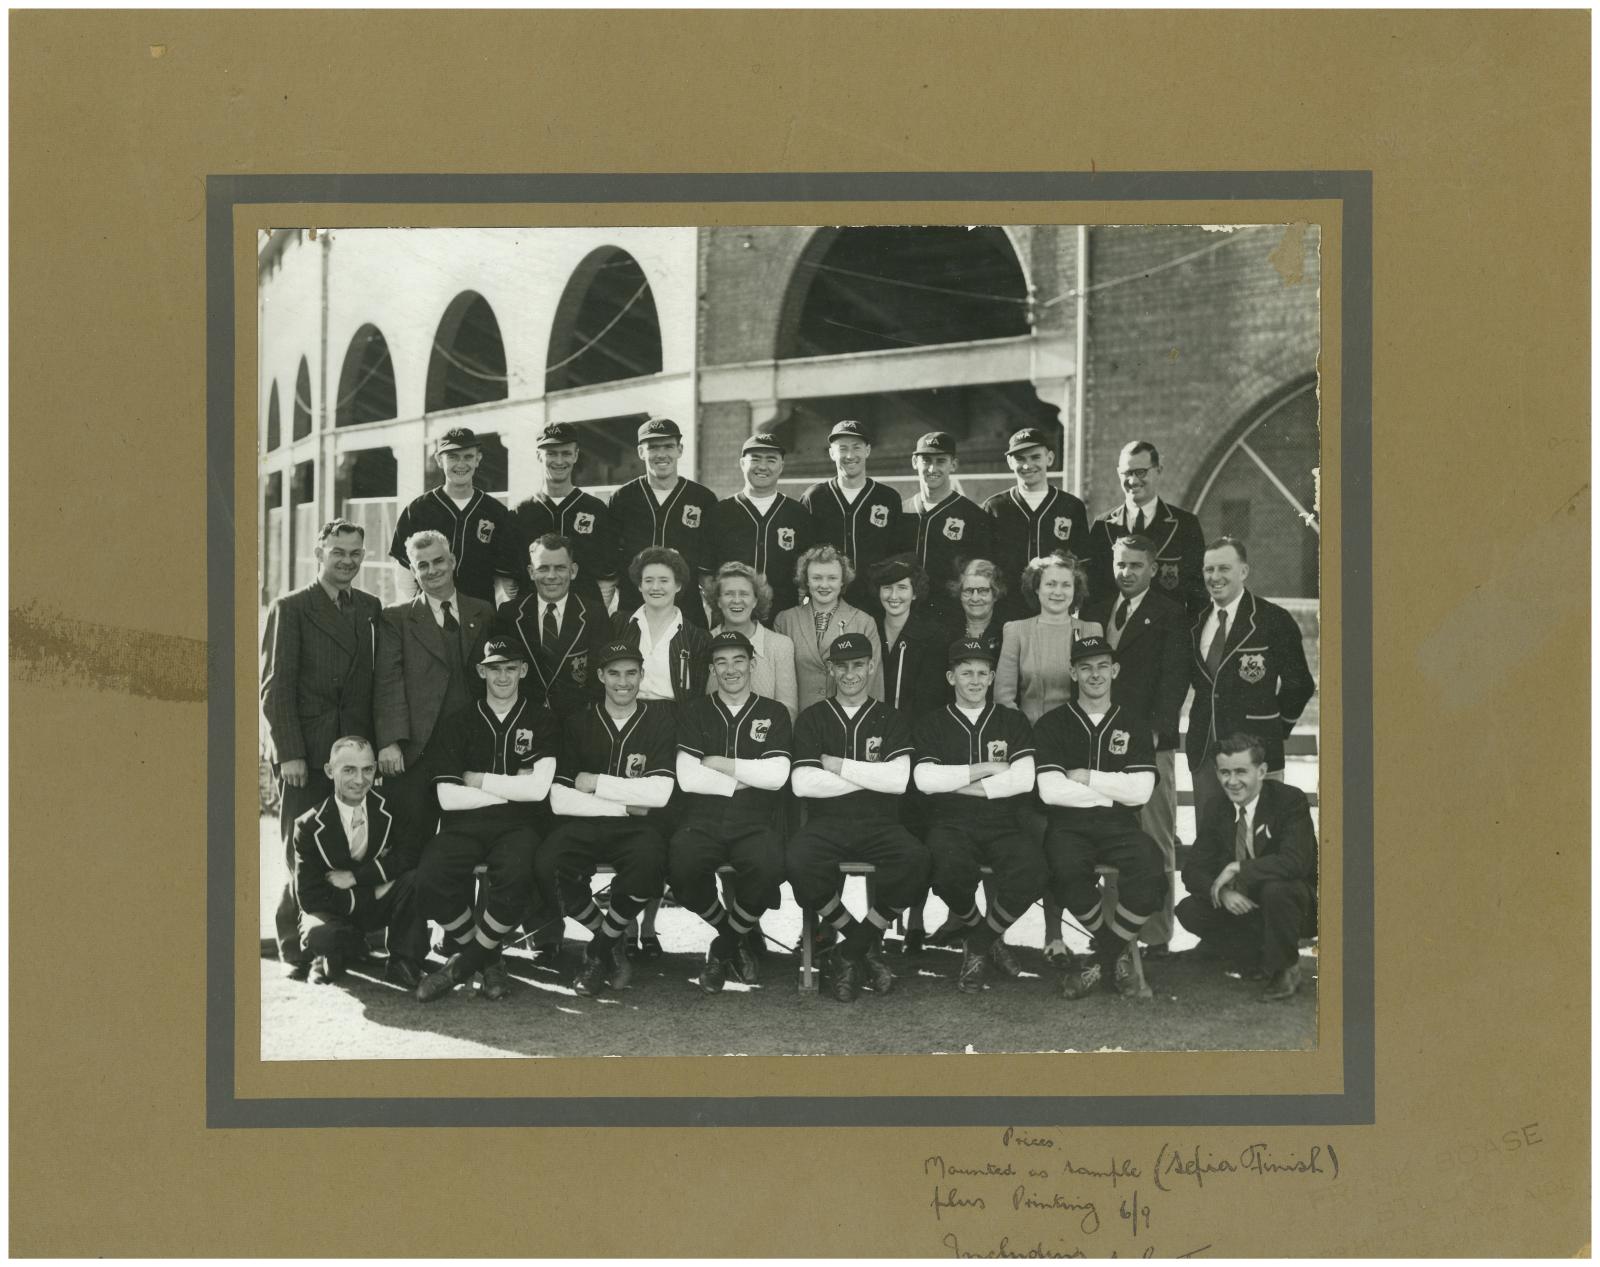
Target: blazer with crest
320, 846
1284, 842
1152, 659
316, 673
413, 673
562, 677
1180, 553
1261, 688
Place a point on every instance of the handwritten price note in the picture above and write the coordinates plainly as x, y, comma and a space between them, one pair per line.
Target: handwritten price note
1034, 1194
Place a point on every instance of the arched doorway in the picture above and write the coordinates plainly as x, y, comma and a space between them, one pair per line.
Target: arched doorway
606, 328
1259, 486
468, 362
274, 425
366, 383
302, 401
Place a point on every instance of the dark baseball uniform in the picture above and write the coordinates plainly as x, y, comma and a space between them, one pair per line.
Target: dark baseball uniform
865, 530
583, 519
947, 535
771, 543
482, 536
682, 521
1022, 534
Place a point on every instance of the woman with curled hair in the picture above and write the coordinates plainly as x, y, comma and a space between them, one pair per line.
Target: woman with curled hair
1035, 669
821, 576
980, 591
740, 599
915, 644
672, 651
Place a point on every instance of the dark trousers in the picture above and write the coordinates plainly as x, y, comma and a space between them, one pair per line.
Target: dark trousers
959, 848
1272, 930
293, 802
813, 855
396, 913
633, 847
414, 802
756, 855
444, 878
1075, 847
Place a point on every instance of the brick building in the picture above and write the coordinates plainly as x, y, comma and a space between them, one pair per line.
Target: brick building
372, 342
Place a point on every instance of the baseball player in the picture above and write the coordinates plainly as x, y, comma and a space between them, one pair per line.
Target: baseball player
1097, 767
662, 508
614, 776
734, 751
852, 762
481, 532
1180, 544
1034, 518
855, 514
496, 761
563, 509
950, 528
975, 761
760, 526
353, 874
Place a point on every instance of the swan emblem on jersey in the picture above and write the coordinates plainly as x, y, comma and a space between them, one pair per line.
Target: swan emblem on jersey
691, 516
997, 750
1119, 743
955, 529
759, 729
879, 516
1253, 666
874, 748
583, 523
523, 742
1063, 528
485, 530
786, 538
635, 766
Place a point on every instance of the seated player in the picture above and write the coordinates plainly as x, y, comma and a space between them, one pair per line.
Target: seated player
353, 873
1097, 766
613, 779
1252, 878
975, 762
733, 763
496, 760
852, 762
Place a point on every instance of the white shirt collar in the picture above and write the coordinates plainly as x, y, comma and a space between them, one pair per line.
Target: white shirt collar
1133, 603
1232, 609
561, 609
438, 612
762, 503
1034, 500
1131, 508
1250, 818
347, 815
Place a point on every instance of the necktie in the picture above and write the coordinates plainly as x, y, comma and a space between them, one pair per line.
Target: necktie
358, 833
550, 633
822, 620
1119, 620
1241, 838
1218, 641
344, 600
451, 624
1138, 522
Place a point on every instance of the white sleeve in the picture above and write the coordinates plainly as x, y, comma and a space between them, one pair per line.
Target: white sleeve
530, 785
695, 776
651, 792
1055, 788
1016, 781
572, 803
815, 782
933, 778
458, 796
767, 773
879, 776
1134, 788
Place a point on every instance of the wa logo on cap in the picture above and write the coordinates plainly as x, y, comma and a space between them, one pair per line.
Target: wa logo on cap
523, 742
955, 529
997, 750
1063, 528
583, 523
874, 747
760, 728
635, 766
691, 516
485, 530
1253, 667
786, 538
1119, 743
879, 515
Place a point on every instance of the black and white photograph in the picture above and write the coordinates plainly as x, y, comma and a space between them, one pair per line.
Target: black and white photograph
788, 640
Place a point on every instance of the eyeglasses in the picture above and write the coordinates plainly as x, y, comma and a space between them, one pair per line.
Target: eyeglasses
976, 591
1139, 472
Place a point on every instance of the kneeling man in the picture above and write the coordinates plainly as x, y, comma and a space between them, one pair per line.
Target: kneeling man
353, 875
975, 762
733, 762
496, 760
1252, 878
1097, 767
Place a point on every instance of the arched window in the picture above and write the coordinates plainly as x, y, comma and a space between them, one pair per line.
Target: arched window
302, 401
468, 364
366, 383
606, 327
274, 427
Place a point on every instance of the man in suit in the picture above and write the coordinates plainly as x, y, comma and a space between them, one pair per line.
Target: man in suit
353, 875
949, 528
1248, 667
760, 526
1149, 633
662, 508
855, 514
559, 631
1252, 878
317, 658
1033, 519
427, 648
1176, 533
565, 509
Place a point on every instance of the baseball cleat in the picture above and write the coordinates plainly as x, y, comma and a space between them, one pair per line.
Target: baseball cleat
326, 969
713, 974
1002, 957
593, 974
496, 982
879, 976
649, 947
914, 941
974, 967
745, 963
297, 969
621, 975
1057, 955
1283, 985
1080, 977
438, 984
842, 978
1127, 985
403, 973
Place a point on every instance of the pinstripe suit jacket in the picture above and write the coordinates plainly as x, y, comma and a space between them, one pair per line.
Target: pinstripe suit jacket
316, 673
413, 673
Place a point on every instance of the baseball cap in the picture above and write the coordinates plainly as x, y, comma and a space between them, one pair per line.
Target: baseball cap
1088, 648
849, 429
501, 651
970, 649
614, 651
936, 444
729, 640
759, 441
456, 438
558, 433
1027, 438
659, 429
850, 646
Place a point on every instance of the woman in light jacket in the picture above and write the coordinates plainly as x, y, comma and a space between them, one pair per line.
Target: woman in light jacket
821, 616
740, 599
1035, 669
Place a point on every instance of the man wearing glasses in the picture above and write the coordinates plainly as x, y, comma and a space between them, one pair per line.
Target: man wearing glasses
1180, 545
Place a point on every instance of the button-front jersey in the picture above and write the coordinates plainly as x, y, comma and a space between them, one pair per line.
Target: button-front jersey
875, 733
482, 536
947, 536
945, 736
1022, 534
864, 530
760, 728
474, 739
772, 543
1066, 738
643, 746
682, 521
580, 517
